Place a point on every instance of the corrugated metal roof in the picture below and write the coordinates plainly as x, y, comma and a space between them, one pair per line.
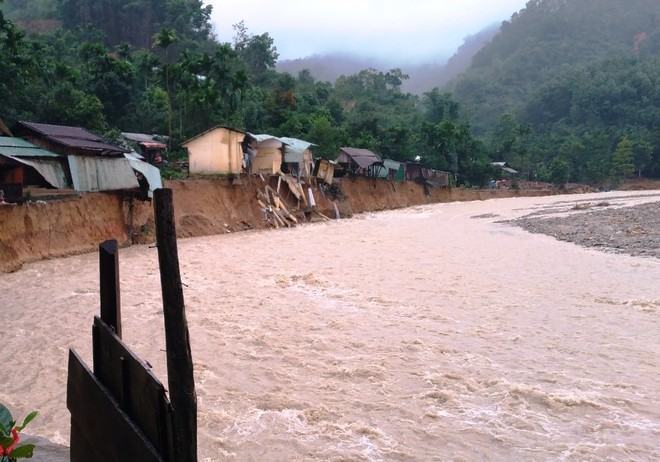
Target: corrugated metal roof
260, 138
295, 143
151, 173
101, 174
363, 157
144, 137
294, 150
50, 170
74, 137
18, 147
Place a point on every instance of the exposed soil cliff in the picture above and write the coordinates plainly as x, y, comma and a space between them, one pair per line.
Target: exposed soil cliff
39, 230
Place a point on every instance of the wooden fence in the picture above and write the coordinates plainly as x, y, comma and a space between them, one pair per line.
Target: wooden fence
120, 411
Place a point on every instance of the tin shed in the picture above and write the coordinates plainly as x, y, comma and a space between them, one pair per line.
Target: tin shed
360, 161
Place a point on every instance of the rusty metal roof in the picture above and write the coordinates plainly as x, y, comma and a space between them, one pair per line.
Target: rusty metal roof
73, 137
363, 157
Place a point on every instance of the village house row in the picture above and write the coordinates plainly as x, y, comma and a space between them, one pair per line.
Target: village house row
44, 161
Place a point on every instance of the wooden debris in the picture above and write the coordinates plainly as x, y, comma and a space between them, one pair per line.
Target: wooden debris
277, 213
321, 215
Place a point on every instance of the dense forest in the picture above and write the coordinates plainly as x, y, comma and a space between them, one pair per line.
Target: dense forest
566, 91
564, 83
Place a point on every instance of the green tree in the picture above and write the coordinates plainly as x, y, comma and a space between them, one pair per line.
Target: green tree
558, 172
257, 51
622, 163
164, 40
642, 153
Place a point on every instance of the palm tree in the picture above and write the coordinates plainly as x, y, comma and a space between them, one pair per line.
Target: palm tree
164, 39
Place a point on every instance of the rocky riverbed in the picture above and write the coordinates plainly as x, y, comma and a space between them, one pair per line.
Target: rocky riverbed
632, 230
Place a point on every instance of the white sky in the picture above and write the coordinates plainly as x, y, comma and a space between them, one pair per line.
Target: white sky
400, 30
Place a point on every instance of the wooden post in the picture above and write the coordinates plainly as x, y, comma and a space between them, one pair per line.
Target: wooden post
110, 294
179, 357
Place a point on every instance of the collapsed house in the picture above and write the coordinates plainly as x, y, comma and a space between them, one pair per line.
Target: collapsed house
324, 170
268, 154
298, 157
217, 151
360, 162
415, 171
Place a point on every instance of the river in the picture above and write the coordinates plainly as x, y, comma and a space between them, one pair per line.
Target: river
430, 333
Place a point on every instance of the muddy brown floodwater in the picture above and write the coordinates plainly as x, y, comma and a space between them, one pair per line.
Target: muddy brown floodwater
411, 335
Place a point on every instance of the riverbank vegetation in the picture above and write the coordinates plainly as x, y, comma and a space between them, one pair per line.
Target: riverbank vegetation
567, 91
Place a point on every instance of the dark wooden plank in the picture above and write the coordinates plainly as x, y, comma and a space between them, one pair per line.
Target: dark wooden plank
98, 422
137, 390
110, 292
179, 357
80, 447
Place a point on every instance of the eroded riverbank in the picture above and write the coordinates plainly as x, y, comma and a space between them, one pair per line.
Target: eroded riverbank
412, 335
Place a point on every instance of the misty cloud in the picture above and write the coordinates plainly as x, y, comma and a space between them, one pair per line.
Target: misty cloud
386, 29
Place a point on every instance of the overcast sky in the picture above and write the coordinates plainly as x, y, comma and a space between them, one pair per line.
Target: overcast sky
403, 30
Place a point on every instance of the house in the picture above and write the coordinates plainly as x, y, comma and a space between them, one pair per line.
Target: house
67, 140
415, 171
298, 158
217, 151
437, 178
269, 154
23, 164
504, 168
360, 161
392, 170
150, 147
325, 170
93, 164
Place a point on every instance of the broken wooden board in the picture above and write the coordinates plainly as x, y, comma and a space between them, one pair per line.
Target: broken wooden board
112, 438
139, 393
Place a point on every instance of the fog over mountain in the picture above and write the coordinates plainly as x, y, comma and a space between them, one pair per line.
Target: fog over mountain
424, 76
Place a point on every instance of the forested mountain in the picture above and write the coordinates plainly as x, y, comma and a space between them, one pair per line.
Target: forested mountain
86, 74
568, 90
548, 38
423, 77
132, 22
329, 67
462, 59
565, 83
